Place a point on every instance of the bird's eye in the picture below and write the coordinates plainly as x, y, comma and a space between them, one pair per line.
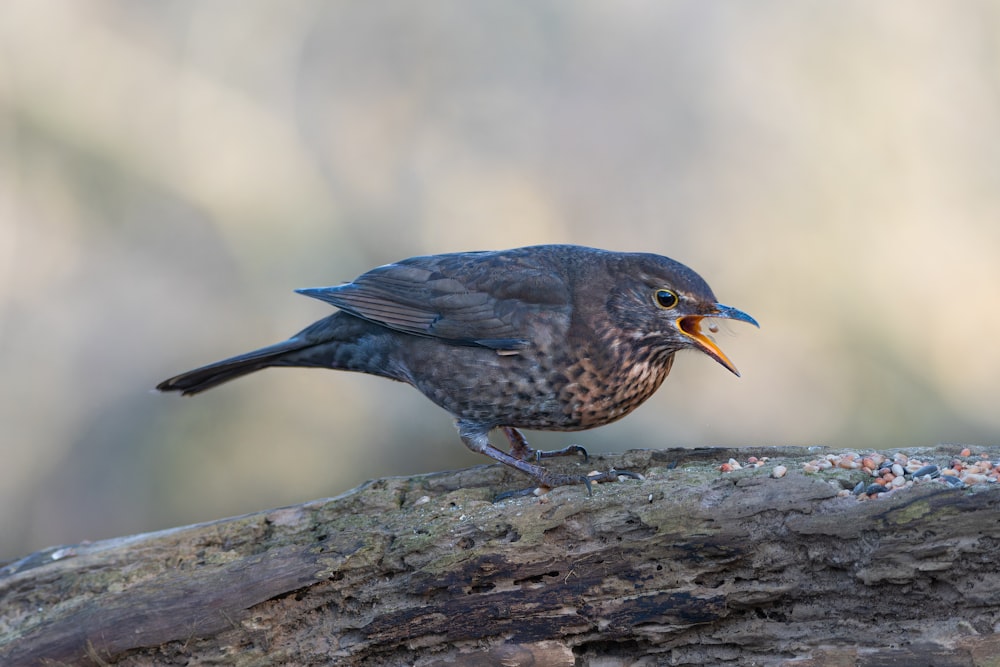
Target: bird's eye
665, 299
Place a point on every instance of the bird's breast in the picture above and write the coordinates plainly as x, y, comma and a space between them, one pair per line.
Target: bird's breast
604, 388
551, 387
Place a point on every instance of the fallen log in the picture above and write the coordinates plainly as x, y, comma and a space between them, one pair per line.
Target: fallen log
690, 566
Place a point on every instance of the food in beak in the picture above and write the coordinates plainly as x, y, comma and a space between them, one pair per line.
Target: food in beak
691, 326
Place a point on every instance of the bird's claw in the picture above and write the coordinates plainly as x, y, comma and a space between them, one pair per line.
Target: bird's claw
565, 451
609, 476
521, 450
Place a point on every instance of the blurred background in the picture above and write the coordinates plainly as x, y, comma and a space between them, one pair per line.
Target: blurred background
170, 172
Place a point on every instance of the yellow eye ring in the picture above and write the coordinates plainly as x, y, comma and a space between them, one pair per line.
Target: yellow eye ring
665, 299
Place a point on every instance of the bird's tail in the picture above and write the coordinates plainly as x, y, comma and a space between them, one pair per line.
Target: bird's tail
206, 377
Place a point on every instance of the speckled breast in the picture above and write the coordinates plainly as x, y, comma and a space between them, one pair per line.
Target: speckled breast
536, 389
594, 396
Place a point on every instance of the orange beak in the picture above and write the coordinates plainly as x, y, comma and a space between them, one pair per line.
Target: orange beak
690, 325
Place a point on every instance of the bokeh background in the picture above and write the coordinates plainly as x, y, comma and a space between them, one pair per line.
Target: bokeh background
171, 171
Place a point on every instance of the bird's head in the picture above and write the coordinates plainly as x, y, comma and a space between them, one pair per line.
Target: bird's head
664, 304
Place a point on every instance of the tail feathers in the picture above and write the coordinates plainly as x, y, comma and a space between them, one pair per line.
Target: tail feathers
206, 377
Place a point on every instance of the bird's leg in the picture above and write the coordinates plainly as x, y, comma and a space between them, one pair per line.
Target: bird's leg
520, 449
475, 437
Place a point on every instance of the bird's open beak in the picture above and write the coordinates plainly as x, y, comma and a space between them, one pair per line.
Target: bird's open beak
690, 325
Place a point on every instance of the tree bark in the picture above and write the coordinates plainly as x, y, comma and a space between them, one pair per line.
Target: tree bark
689, 566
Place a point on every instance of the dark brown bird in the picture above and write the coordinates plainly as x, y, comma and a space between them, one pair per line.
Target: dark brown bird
552, 337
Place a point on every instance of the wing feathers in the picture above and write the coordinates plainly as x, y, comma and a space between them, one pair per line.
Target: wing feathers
480, 299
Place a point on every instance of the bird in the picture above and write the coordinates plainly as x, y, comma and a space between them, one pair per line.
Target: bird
545, 337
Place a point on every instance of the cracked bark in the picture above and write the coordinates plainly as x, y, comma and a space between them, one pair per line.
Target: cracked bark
688, 567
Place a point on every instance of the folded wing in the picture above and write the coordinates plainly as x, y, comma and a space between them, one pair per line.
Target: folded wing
484, 299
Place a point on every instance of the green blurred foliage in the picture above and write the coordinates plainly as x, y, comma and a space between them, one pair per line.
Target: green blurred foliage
169, 172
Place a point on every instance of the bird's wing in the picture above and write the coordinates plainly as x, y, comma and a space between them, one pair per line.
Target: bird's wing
487, 299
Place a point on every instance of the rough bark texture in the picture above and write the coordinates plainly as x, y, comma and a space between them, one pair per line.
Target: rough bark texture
688, 567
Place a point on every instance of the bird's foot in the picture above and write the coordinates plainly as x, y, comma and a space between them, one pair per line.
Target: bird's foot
475, 437
520, 449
